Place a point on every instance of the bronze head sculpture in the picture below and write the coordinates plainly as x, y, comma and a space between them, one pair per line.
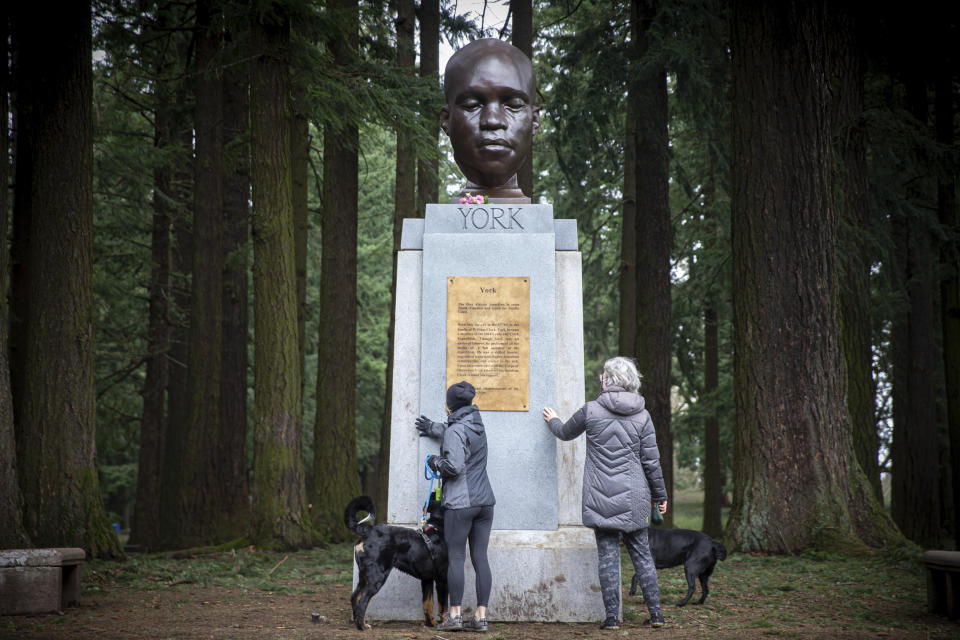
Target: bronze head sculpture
490, 115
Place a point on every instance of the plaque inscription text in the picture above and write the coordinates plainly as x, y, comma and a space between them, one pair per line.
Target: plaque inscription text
488, 339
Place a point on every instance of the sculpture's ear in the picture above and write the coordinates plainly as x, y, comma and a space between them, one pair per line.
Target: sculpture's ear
536, 119
445, 119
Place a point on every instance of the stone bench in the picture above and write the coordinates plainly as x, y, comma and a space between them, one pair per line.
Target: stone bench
39, 580
943, 582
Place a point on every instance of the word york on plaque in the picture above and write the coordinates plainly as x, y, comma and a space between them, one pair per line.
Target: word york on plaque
490, 217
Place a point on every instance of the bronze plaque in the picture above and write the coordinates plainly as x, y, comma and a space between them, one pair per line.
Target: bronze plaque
488, 339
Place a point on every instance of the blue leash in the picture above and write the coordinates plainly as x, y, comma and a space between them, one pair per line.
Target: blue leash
431, 475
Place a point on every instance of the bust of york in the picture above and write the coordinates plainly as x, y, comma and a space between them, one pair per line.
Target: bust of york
490, 117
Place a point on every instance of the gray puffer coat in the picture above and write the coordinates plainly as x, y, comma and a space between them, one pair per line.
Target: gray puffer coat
622, 475
463, 460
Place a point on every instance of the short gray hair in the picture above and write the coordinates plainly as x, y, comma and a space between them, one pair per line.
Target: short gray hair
621, 372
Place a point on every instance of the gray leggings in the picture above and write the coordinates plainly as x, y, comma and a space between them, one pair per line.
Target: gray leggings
608, 553
460, 525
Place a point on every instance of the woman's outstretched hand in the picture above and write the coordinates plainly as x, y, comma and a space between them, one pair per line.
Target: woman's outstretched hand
549, 414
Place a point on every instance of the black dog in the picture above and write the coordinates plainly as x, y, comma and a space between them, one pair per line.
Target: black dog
383, 548
697, 552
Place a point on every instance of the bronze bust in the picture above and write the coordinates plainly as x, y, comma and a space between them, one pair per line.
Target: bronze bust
490, 116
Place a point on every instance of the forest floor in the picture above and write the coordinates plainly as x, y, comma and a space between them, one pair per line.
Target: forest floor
251, 594
256, 595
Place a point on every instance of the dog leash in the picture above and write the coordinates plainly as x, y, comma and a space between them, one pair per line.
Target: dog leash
431, 475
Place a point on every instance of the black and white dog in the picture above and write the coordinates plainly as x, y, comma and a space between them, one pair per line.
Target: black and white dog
696, 551
382, 548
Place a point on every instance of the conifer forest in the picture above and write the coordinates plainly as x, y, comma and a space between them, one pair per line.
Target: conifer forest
203, 208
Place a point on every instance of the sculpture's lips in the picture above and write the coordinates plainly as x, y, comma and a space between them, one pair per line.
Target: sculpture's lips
495, 143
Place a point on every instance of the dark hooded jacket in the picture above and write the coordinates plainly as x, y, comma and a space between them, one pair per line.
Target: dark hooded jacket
621, 475
463, 460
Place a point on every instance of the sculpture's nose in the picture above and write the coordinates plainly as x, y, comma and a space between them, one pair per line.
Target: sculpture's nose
491, 116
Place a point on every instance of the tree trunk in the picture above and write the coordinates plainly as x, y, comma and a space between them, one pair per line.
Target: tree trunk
232, 450
428, 186
199, 517
335, 477
404, 206
12, 533
796, 480
146, 514
851, 198
712, 472
628, 224
916, 470
522, 38
280, 518
300, 165
57, 451
181, 267
654, 347
950, 281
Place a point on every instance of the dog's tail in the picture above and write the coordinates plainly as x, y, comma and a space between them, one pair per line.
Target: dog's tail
360, 503
719, 551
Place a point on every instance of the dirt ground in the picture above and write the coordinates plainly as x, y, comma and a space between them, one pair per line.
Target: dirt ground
190, 612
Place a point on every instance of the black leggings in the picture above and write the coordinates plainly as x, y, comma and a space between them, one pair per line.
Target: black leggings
459, 525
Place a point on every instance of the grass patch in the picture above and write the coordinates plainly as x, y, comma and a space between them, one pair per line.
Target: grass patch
784, 593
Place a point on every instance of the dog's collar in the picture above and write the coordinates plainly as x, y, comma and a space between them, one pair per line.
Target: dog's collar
427, 528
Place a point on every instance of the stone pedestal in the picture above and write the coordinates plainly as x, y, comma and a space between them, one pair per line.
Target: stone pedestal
544, 562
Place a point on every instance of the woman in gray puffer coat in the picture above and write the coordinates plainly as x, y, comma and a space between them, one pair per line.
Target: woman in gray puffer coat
621, 477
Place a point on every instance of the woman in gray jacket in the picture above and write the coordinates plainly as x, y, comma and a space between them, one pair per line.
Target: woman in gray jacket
467, 501
621, 477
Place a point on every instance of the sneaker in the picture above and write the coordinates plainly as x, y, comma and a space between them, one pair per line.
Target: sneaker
610, 624
450, 624
656, 619
475, 624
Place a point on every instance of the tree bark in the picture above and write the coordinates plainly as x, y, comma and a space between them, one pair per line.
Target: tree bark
57, 451
522, 38
796, 480
146, 527
232, 439
628, 225
404, 206
181, 267
916, 469
198, 516
12, 533
653, 344
712, 472
851, 198
300, 165
950, 281
428, 185
335, 477
280, 518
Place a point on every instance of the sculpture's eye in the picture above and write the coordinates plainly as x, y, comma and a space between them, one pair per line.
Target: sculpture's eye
470, 105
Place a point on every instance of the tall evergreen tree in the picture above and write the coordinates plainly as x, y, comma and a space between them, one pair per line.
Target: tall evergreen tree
851, 194
916, 490
404, 206
653, 343
280, 517
56, 446
522, 38
196, 515
146, 515
796, 480
12, 533
232, 439
950, 280
428, 185
335, 477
